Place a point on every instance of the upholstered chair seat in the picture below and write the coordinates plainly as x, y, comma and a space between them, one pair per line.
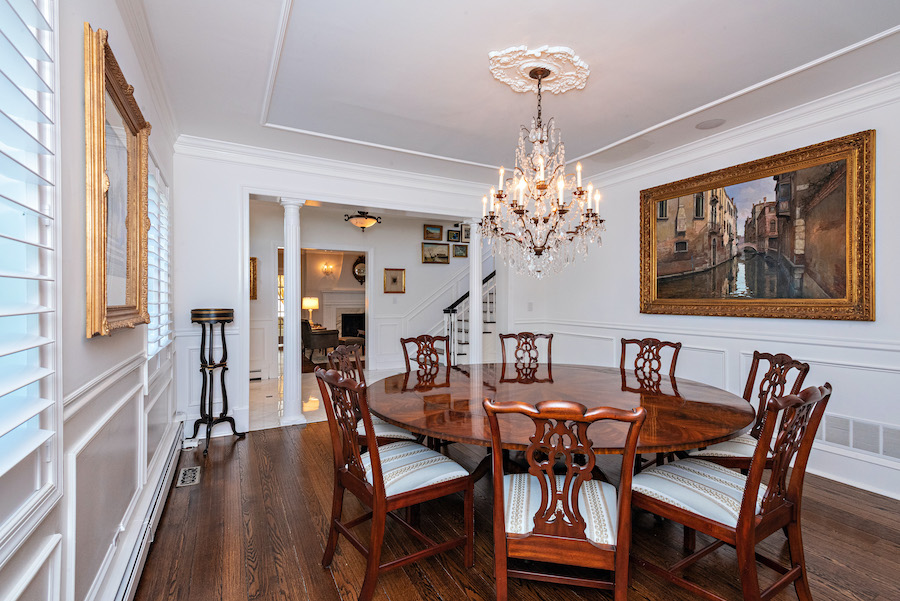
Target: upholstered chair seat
385, 430
698, 486
740, 447
407, 466
596, 503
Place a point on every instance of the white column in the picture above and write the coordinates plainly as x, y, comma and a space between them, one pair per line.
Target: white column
476, 316
293, 364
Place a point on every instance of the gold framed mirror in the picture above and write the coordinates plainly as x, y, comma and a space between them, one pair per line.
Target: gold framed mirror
116, 137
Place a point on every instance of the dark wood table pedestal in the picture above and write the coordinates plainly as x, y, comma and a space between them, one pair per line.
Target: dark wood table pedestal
208, 318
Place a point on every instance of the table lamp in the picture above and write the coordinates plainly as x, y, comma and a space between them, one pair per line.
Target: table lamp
310, 303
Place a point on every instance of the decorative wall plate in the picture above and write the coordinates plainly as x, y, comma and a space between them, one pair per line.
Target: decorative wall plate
513, 65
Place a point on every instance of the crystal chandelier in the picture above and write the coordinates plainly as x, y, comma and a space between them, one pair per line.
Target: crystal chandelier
541, 218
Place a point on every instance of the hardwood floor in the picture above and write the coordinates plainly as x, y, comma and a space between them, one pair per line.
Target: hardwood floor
255, 525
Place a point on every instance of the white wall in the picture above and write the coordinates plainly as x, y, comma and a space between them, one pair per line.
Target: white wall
593, 304
117, 440
215, 180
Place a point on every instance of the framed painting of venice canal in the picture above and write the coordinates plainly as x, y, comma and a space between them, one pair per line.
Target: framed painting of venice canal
791, 235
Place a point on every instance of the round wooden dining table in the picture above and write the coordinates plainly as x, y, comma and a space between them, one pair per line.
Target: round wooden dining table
446, 403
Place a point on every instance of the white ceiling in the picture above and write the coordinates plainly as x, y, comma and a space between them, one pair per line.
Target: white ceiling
359, 80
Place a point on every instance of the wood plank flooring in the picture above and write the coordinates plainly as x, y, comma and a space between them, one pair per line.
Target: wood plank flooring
255, 525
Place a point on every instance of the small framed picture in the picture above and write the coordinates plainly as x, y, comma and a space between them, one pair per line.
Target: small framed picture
452, 235
394, 281
252, 278
465, 233
460, 251
433, 232
435, 253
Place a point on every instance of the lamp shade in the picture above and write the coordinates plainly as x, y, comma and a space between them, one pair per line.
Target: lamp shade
309, 302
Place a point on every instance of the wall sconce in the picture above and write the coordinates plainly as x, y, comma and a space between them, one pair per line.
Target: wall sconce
327, 269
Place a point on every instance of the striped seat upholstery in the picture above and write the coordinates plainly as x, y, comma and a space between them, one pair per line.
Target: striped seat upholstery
596, 502
742, 446
698, 486
407, 466
383, 429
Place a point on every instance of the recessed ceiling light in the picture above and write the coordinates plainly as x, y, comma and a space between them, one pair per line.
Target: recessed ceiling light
710, 124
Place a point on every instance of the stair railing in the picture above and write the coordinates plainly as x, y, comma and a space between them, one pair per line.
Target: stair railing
456, 316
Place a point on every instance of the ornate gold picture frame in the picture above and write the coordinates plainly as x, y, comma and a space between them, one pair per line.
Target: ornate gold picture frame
791, 235
116, 137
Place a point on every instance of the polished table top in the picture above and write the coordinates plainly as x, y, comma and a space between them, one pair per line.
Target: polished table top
446, 404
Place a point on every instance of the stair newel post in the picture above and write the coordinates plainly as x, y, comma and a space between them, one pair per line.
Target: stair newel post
476, 302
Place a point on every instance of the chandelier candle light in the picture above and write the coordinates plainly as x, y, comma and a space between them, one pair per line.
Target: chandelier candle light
529, 219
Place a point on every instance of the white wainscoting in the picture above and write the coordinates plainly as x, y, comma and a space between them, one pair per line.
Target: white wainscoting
41, 577
722, 359
125, 442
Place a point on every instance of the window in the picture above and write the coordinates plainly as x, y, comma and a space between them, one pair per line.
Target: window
681, 246
662, 209
159, 290
30, 399
698, 206
772, 226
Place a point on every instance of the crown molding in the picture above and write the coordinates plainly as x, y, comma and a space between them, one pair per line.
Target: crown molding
135, 19
858, 99
232, 152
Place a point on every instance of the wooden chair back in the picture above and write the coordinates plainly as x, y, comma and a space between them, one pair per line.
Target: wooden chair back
650, 360
345, 404
526, 350
426, 357
346, 359
789, 439
773, 383
561, 438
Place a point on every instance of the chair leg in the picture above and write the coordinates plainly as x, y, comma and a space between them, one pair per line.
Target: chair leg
469, 516
337, 503
746, 555
689, 543
379, 516
412, 515
795, 544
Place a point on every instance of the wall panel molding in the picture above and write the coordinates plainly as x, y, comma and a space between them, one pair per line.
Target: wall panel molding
48, 555
100, 383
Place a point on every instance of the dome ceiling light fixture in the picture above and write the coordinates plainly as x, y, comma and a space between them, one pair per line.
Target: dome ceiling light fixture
362, 220
534, 227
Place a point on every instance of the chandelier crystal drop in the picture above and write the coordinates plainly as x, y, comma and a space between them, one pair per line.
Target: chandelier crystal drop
541, 219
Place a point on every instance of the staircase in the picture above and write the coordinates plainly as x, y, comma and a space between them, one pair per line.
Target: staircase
456, 322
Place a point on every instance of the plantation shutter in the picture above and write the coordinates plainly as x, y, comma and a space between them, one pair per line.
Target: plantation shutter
29, 410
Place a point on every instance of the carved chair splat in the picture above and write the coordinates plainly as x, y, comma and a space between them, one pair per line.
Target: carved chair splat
736, 453
416, 474
345, 359
648, 369
569, 519
745, 512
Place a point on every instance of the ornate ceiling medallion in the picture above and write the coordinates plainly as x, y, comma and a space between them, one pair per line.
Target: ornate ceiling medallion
514, 65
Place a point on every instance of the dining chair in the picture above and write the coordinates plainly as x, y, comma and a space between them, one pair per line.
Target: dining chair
650, 355
387, 478
740, 510
428, 351
345, 359
737, 452
649, 359
562, 518
526, 350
